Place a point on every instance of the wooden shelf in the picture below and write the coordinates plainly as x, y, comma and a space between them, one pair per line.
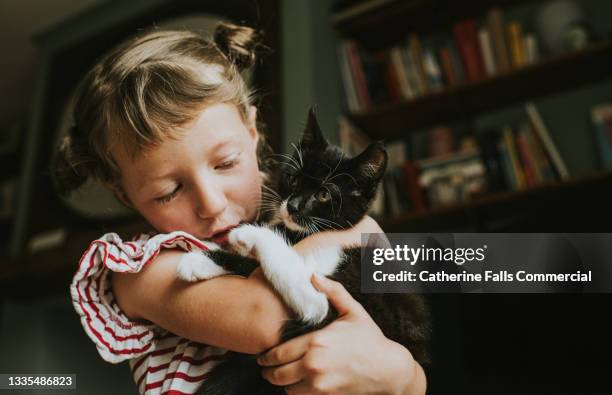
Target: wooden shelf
396, 120
581, 204
381, 23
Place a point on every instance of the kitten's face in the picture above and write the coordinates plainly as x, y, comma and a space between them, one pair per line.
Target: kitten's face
321, 189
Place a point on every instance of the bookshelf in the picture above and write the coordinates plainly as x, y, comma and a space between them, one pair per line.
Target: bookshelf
580, 198
395, 120
374, 32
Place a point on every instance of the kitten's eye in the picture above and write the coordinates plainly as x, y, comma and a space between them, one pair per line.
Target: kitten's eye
293, 180
323, 195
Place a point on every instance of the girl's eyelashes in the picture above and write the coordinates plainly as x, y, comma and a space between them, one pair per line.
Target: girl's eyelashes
229, 163
170, 196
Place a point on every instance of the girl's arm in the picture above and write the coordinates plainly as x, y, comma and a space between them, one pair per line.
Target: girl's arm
232, 312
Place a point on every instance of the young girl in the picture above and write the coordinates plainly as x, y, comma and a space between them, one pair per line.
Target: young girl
165, 121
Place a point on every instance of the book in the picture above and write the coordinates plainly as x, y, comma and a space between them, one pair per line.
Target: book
358, 75
532, 49
532, 177
414, 188
400, 70
391, 79
414, 46
411, 72
602, 122
519, 176
486, 49
547, 142
432, 70
466, 38
348, 80
374, 71
497, 30
456, 62
506, 163
447, 67
517, 44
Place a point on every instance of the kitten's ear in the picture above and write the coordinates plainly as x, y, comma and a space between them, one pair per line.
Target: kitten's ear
313, 137
372, 162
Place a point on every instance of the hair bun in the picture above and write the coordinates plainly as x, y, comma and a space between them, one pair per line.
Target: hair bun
238, 43
64, 168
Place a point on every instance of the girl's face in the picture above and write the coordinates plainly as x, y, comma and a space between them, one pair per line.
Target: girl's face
203, 182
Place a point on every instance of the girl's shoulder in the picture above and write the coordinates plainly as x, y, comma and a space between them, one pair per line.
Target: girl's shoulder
117, 337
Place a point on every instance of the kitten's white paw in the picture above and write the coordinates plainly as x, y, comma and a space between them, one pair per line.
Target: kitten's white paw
243, 239
310, 305
195, 266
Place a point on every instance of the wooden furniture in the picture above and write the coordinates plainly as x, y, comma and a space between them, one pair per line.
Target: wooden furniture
376, 25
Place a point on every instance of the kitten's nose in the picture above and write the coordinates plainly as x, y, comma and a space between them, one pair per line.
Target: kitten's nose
292, 205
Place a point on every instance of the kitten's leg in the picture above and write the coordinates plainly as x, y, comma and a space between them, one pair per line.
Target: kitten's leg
197, 265
284, 268
234, 263
325, 261
205, 265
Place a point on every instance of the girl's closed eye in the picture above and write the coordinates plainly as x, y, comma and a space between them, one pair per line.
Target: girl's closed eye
168, 197
228, 163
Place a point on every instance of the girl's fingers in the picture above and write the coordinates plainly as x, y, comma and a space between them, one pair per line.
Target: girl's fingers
300, 388
286, 352
284, 375
338, 296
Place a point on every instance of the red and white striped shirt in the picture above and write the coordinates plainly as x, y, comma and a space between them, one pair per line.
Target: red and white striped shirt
161, 362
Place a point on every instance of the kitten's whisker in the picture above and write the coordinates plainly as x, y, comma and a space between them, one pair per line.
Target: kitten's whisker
270, 190
299, 152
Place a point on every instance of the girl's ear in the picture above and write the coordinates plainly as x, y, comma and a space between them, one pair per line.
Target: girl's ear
252, 123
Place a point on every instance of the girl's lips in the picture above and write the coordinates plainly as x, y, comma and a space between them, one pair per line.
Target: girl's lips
221, 237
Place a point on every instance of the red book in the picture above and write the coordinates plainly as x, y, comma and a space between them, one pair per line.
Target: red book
466, 37
527, 159
447, 67
357, 71
415, 191
390, 75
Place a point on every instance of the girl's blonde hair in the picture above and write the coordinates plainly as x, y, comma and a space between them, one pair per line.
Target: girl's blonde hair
144, 90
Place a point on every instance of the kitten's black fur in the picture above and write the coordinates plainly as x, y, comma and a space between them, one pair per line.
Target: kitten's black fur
325, 190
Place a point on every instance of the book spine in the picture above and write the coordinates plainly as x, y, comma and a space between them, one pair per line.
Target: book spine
358, 73
486, 49
414, 44
411, 72
348, 80
400, 70
466, 37
391, 79
517, 44
447, 67
526, 159
497, 29
551, 149
514, 158
432, 70
532, 50
506, 162
456, 62
415, 191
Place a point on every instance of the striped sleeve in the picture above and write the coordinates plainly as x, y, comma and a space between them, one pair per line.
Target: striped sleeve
116, 337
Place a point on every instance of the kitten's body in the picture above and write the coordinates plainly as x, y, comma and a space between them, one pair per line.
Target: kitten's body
319, 189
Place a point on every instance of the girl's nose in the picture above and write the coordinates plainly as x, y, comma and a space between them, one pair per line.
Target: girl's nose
211, 201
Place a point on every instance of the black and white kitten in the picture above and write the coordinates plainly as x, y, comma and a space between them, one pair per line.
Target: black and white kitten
319, 189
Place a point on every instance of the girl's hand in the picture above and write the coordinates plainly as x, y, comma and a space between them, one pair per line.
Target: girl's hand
349, 356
